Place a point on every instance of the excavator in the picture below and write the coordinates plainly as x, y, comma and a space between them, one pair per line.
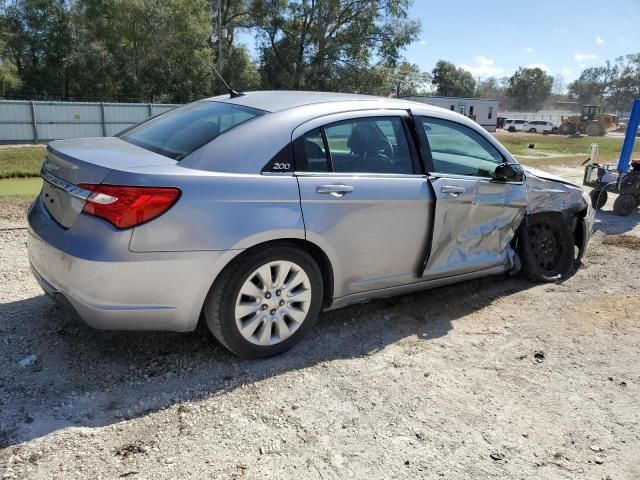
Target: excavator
590, 121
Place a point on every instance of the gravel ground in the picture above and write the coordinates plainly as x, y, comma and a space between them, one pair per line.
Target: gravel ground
497, 378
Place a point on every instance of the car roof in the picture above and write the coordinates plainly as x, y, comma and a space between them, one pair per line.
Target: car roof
246, 148
277, 100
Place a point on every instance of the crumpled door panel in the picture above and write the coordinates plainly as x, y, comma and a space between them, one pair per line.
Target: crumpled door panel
472, 231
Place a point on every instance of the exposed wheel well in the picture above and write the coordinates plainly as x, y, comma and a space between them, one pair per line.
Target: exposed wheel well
572, 219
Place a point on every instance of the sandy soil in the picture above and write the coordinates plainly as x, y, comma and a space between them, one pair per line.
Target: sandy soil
497, 378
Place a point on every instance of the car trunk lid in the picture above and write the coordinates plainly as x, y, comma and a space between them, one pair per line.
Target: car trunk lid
70, 163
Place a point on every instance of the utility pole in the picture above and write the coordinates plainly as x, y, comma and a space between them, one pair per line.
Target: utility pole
220, 36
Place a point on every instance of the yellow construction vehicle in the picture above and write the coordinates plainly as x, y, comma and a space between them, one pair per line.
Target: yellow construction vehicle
591, 121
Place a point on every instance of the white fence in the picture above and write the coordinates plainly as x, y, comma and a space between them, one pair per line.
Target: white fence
33, 122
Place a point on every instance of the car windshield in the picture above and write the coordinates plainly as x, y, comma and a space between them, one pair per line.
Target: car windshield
179, 132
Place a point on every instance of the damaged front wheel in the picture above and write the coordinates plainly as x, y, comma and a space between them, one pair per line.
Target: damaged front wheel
546, 247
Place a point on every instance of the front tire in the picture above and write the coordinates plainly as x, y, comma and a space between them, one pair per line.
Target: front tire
547, 247
598, 198
265, 302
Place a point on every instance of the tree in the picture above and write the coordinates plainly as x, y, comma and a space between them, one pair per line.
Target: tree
592, 85
329, 44
613, 86
9, 79
529, 88
39, 44
145, 49
451, 81
407, 79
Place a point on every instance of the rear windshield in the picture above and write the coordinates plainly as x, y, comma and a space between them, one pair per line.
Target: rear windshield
179, 132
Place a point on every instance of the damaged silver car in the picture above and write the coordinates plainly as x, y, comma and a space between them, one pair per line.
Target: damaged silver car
256, 211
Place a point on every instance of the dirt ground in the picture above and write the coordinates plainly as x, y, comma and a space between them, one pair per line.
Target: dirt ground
496, 378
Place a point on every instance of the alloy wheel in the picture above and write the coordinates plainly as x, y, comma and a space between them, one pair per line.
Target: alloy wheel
273, 302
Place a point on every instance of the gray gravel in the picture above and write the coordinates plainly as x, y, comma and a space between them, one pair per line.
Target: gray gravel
497, 378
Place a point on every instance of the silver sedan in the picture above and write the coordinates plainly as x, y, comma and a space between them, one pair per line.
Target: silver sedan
257, 211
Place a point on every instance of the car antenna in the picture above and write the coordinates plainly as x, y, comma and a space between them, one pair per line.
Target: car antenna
232, 92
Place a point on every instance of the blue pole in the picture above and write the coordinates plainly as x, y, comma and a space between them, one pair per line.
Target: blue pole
629, 137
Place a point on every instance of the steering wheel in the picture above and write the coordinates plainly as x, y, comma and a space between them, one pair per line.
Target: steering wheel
387, 148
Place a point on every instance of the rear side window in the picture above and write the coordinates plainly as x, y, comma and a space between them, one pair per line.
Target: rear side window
179, 132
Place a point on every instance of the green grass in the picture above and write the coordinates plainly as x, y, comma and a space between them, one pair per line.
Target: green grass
573, 150
20, 187
21, 162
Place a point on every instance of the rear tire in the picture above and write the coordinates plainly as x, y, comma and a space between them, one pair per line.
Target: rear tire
533, 130
547, 247
277, 315
598, 198
624, 205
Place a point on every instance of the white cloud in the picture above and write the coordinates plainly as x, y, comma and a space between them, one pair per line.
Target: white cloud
541, 66
599, 40
528, 49
484, 67
583, 65
566, 71
581, 57
422, 42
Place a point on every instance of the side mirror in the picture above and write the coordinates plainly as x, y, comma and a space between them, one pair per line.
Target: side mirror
508, 172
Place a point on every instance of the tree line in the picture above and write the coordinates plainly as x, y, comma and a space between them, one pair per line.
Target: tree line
166, 51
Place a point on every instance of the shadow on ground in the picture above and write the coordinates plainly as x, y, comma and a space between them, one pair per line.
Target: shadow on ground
611, 224
89, 378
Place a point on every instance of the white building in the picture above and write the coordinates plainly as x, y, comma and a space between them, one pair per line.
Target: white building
485, 112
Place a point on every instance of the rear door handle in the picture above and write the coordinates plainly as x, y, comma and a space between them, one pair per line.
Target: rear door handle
452, 189
335, 190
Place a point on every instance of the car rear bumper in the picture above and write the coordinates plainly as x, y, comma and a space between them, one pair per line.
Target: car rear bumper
122, 290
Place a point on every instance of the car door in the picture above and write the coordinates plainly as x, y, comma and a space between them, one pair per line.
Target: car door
475, 216
365, 200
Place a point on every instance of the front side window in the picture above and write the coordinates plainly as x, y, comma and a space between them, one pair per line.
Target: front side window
458, 149
369, 145
179, 132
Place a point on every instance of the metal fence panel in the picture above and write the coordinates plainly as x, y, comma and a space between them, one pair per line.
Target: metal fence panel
126, 113
25, 121
74, 113
16, 132
115, 128
50, 131
15, 112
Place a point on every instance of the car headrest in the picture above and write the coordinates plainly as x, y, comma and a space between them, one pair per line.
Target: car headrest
360, 138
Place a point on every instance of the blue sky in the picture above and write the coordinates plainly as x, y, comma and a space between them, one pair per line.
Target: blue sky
494, 38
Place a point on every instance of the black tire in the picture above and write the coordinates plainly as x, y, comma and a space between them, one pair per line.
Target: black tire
624, 205
219, 307
567, 129
511, 129
598, 198
533, 130
547, 247
593, 130
637, 201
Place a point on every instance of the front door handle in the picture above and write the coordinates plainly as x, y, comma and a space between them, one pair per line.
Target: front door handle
452, 189
335, 190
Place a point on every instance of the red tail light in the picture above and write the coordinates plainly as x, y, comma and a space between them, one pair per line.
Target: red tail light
125, 206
